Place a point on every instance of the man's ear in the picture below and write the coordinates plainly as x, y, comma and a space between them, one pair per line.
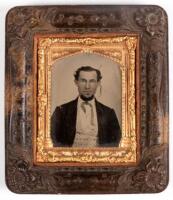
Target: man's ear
99, 83
76, 82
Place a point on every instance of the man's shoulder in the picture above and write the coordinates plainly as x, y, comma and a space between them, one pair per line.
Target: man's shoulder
103, 106
67, 105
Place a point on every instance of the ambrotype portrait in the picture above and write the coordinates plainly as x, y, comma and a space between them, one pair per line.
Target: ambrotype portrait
84, 121
87, 99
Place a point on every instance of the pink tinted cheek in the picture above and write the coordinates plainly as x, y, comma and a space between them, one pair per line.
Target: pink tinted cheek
93, 84
81, 85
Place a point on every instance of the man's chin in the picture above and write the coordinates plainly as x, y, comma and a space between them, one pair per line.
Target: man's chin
87, 97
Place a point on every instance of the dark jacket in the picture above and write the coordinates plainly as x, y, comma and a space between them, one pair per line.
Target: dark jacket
63, 125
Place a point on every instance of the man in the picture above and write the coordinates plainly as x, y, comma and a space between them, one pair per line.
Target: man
85, 122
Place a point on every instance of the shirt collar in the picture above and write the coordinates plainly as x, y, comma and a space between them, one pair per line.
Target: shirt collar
92, 102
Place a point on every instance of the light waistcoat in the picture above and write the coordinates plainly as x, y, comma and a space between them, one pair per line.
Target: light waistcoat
86, 124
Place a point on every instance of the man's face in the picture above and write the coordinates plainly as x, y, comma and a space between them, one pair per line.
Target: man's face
87, 83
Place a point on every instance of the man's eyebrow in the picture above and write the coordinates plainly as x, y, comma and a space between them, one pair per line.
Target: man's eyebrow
89, 79
82, 79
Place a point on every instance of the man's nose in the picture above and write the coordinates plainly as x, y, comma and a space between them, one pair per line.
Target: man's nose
87, 85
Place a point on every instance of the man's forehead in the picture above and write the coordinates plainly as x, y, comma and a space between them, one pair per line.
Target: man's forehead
88, 74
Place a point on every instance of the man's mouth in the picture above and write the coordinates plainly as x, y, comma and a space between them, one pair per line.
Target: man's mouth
86, 91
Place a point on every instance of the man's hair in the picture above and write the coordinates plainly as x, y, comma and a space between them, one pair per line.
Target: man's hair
87, 69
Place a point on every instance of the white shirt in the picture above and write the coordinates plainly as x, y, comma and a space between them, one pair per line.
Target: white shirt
86, 124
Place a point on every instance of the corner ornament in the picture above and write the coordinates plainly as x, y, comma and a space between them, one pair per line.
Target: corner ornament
153, 20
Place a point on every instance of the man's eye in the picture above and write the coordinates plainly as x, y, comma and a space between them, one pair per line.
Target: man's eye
93, 81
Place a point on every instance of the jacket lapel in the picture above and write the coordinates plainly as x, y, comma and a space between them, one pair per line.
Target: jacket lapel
99, 118
72, 113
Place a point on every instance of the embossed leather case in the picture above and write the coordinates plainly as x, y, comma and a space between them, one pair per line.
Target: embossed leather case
140, 163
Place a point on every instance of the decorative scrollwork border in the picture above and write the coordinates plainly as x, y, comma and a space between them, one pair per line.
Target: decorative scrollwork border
123, 49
